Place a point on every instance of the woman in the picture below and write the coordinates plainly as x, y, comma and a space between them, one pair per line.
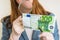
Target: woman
13, 28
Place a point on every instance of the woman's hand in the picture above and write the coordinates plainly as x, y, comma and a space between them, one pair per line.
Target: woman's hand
46, 36
17, 29
18, 25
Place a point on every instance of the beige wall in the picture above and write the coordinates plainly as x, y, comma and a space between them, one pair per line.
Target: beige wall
4, 8
50, 5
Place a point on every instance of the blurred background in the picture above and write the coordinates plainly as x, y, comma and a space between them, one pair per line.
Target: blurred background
50, 5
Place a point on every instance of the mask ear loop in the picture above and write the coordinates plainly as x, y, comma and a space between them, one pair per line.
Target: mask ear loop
20, 4
19, 7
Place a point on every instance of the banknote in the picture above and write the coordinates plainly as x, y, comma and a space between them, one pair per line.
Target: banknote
45, 23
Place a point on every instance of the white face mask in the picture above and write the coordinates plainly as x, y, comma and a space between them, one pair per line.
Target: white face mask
24, 8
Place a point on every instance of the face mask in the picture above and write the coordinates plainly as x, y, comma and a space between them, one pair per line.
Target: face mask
44, 23
22, 8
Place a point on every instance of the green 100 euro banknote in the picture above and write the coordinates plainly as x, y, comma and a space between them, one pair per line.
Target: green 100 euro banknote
45, 23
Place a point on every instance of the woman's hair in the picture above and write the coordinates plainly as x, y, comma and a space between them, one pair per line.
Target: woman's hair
36, 9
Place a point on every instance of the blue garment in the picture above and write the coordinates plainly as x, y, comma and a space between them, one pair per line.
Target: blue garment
55, 34
6, 33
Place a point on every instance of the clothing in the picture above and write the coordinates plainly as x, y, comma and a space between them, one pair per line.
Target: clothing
6, 32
